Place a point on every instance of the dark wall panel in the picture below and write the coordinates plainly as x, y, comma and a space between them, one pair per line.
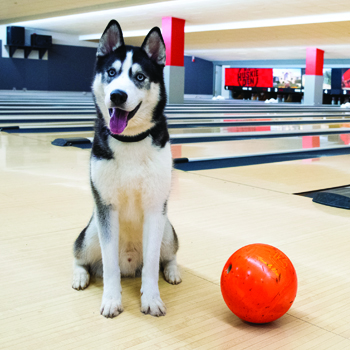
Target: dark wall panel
36, 76
69, 68
336, 78
198, 76
12, 73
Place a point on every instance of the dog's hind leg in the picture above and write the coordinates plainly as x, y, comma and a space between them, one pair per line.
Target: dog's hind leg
169, 248
87, 256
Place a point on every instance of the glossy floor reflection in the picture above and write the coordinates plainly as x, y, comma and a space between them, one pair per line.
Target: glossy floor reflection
258, 129
194, 122
224, 148
258, 146
260, 118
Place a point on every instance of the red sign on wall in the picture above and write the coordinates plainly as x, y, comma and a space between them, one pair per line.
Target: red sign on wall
249, 77
346, 79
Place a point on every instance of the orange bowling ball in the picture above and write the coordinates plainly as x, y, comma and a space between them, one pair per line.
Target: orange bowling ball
259, 283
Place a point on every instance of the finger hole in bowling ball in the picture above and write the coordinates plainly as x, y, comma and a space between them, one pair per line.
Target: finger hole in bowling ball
229, 269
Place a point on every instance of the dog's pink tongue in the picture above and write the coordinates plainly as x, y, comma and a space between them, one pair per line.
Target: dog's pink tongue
118, 121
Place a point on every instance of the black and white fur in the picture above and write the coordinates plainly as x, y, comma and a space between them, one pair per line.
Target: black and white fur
129, 232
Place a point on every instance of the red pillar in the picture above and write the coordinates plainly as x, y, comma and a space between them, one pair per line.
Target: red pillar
313, 90
314, 61
173, 31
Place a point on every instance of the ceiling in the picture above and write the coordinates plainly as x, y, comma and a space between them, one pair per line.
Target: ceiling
215, 30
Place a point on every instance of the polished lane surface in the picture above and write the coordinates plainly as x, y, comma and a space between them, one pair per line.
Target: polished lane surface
189, 123
252, 147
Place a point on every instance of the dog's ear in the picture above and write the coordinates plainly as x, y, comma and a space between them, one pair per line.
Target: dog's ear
154, 46
111, 39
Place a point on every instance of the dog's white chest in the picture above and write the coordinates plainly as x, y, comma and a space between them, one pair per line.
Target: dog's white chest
139, 176
137, 180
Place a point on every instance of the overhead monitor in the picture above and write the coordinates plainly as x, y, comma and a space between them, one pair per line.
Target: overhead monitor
327, 78
263, 78
248, 77
288, 78
345, 80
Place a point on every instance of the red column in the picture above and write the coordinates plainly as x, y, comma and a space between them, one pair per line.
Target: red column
314, 61
313, 89
173, 31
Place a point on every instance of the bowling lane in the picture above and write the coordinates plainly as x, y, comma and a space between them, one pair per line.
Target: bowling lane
57, 135
291, 177
259, 130
262, 114
18, 112
56, 112
45, 124
43, 105
188, 120
182, 123
254, 121
249, 109
45, 118
252, 147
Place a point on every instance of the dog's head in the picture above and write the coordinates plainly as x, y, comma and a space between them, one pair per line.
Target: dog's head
129, 82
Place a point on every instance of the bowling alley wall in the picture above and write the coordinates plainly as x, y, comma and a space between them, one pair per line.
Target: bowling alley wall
70, 68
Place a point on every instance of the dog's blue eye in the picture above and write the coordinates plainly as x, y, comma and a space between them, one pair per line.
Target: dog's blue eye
140, 77
111, 72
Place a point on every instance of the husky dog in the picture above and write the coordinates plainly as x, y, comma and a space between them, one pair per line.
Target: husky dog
130, 174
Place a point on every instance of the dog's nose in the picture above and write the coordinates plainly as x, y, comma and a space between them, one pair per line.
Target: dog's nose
118, 97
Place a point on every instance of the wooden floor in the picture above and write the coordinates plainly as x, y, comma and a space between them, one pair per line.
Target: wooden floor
45, 201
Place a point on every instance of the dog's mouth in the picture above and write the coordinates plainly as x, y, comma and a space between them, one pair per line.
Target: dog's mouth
119, 119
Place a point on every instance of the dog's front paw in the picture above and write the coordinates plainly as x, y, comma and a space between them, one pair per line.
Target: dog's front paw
172, 274
81, 279
111, 307
152, 305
